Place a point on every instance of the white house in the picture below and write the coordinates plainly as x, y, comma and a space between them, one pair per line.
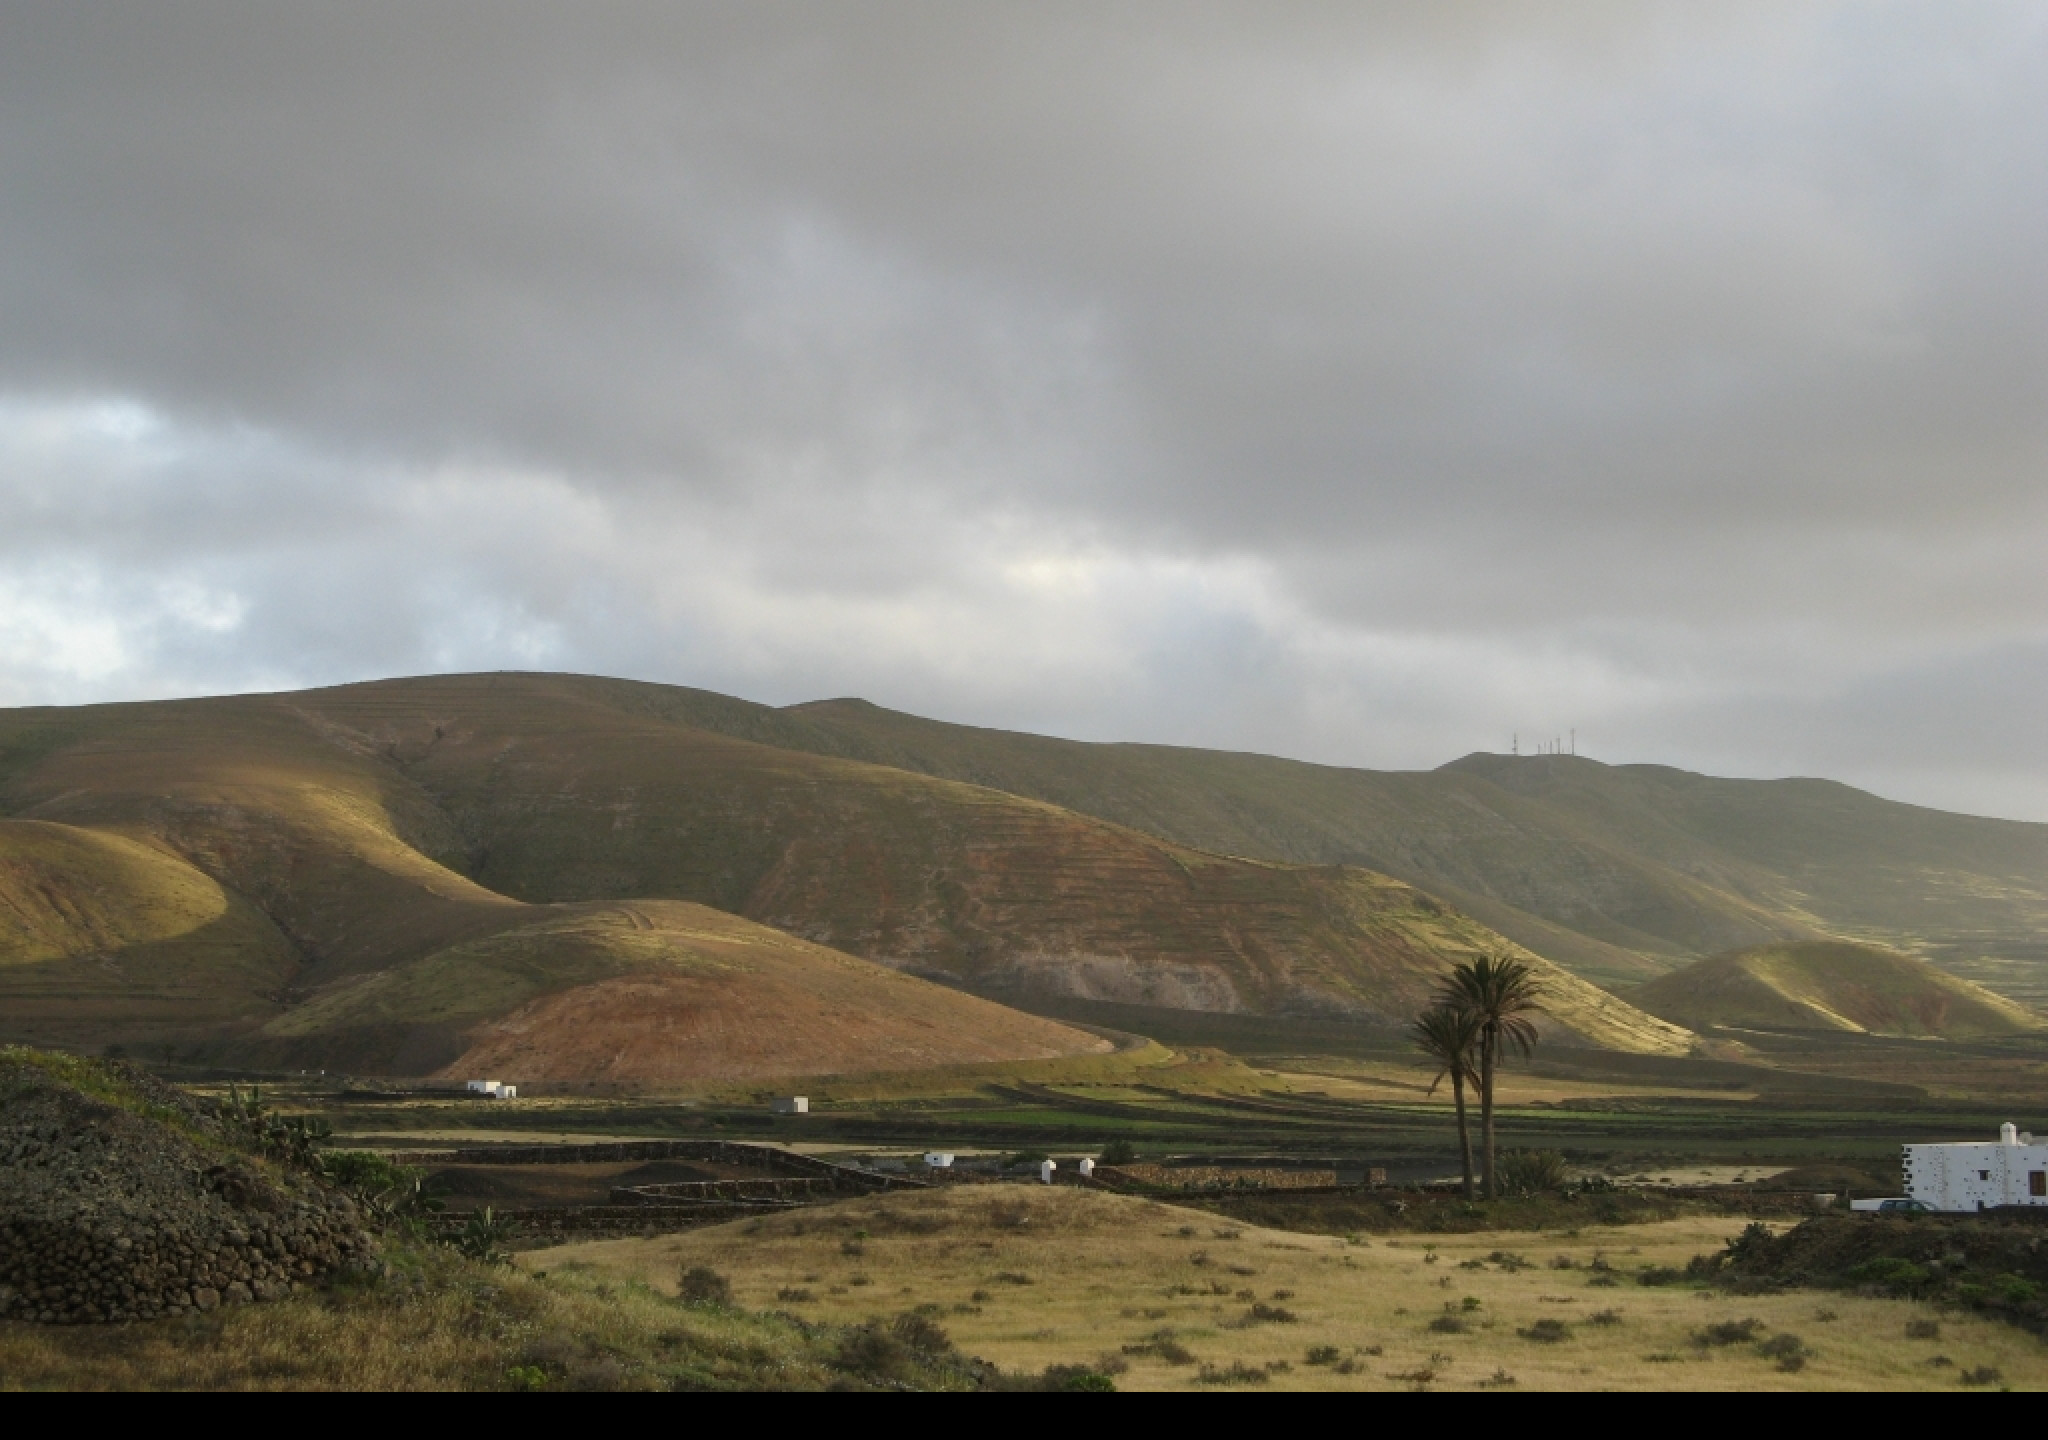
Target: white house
494, 1089
793, 1105
1979, 1175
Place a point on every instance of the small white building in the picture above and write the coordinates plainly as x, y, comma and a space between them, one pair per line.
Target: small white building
938, 1160
494, 1089
1045, 1170
1086, 1167
1979, 1175
793, 1105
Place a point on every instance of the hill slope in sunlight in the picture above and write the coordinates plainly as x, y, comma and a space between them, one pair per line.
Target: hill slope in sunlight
1831, 985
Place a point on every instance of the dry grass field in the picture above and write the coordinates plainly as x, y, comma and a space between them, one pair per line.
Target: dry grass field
1176, 1299
439, 1323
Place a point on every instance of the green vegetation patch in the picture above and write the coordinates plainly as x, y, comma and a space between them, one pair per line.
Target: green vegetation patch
1995, 1265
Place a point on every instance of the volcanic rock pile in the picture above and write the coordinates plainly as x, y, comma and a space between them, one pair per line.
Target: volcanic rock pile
129, 1211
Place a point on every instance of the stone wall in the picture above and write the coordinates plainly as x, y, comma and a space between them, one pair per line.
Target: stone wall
1212, 1177
109, 1214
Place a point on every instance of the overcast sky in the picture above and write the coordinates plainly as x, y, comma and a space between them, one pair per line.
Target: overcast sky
1361, 383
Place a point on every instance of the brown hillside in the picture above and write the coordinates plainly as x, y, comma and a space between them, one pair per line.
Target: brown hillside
566, 797
651, 994
381, 825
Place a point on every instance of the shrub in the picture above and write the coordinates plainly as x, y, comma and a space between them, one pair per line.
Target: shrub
921, 1333
1078, 1378
2015, 1290
363, 1171
1659, 1275
701, 1285
1605, 1317
1530, 1172
1012, 1277
1891, 1274
1787, 1349
1547, 1332
869, 1350
1236, 1373
1449, 1324
1753, 1243
1923, 1329
1270, 1315
1118, 1152
1321, 1355
1162, 1344
1726, 1332
1981, 1375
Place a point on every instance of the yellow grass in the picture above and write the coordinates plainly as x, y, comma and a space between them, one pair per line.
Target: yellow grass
1105, 1272
440, 1324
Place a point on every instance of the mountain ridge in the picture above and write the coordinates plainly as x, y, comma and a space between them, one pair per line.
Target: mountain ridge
384, 828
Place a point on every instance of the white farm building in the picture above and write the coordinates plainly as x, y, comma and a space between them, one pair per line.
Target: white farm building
1979, 1175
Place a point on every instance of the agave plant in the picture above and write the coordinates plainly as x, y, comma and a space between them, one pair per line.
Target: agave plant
481, 1237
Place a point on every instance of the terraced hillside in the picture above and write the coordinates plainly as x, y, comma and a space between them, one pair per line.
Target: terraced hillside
1619, 872
400, 834
1831, 985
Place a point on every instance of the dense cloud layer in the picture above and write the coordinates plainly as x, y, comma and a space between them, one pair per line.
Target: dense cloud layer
1364, 384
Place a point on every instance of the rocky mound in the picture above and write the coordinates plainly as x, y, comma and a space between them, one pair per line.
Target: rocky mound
120, 1200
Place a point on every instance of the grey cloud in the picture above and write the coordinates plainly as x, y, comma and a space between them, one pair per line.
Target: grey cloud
1362, 383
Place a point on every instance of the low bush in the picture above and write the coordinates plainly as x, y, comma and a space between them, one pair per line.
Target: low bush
1076, 1378
1726, 1332
701, 1285
1890, 1274
1162, 1345
1787, 1349
1546, 1332
1236, 1373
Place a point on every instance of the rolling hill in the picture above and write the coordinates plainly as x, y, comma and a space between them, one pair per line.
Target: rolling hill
432, 868
1830, 985
1620, 873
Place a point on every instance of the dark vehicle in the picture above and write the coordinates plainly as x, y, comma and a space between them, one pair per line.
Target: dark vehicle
1908, 1207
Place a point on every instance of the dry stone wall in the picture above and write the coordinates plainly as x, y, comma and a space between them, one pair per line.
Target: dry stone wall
109, 1215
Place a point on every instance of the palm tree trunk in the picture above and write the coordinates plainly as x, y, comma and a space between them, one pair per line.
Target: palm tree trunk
1464, 1130
1486, 1049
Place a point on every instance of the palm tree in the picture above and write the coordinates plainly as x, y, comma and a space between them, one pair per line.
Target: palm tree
1450, 1037
1500, 994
